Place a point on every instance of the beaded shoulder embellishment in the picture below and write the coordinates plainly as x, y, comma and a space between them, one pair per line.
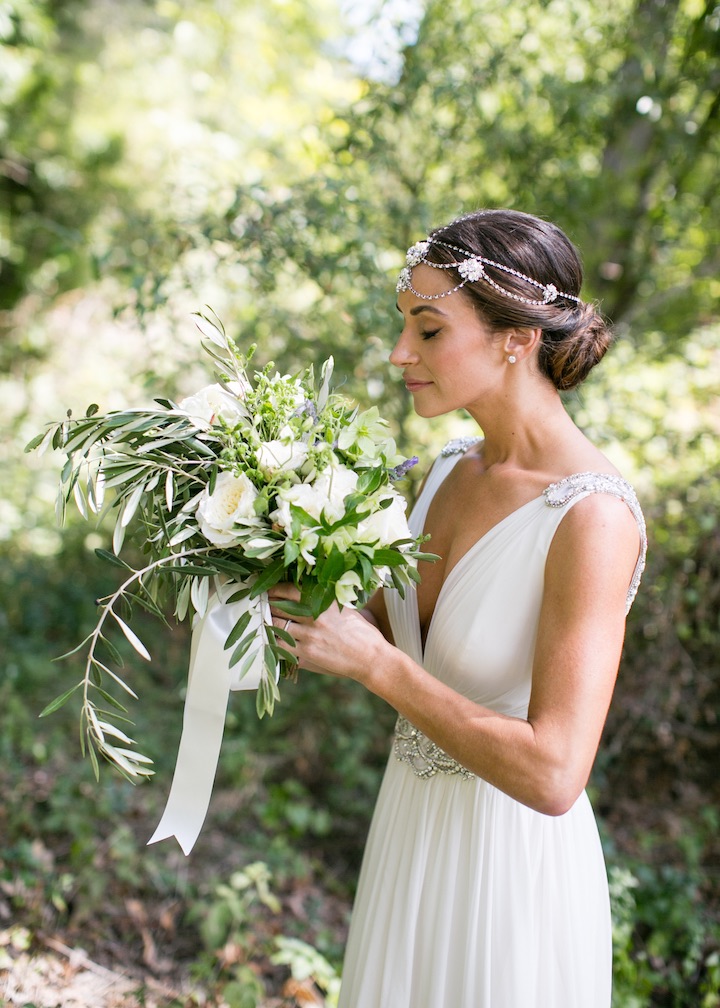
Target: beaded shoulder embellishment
424, 758
459, 445
559, 494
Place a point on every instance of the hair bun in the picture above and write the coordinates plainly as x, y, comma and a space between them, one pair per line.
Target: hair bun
569, 352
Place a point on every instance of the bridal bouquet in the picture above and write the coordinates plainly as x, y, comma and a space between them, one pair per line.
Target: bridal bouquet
243, 485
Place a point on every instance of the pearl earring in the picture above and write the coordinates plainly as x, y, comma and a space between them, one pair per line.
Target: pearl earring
512, 358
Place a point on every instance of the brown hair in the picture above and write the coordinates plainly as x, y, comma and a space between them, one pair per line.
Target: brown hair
575, 336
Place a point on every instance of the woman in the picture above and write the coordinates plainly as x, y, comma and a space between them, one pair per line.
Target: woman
483, 883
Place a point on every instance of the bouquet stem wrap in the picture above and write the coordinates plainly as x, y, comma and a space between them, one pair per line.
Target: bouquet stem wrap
210, 680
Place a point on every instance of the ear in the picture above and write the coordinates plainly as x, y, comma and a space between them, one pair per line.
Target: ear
521, 343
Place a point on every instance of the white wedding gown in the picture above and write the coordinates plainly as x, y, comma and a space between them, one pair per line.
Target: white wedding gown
466, 898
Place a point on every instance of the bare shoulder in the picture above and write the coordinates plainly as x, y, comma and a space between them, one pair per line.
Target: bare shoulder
600, 519
594, 552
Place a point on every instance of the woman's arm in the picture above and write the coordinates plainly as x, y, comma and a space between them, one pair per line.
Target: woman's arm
544, 761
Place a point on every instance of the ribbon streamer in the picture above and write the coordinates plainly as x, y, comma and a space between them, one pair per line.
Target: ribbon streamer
210, 680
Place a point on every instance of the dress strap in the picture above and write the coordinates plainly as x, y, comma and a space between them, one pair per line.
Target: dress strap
571, 488
459, 446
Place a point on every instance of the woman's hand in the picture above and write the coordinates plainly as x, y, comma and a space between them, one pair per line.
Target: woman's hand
339, 642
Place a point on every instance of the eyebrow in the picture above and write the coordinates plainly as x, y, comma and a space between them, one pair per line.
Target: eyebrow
418, 309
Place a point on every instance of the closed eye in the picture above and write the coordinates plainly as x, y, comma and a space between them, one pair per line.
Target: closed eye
429, 333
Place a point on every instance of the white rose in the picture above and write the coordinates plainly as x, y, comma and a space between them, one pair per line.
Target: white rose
346, 588
214, 401
387, 525
281, 456
230, 504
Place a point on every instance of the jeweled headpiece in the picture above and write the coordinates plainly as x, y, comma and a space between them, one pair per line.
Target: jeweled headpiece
471, 268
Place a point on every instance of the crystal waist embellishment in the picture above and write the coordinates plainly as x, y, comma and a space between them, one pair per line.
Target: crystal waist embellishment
424, 758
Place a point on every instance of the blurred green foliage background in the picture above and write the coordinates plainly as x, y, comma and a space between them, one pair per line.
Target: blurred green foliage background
273, 160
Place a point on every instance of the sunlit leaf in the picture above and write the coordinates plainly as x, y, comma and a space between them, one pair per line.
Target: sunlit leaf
118, 535
169, 489
211, 329
132, 637
130, 506
199, 591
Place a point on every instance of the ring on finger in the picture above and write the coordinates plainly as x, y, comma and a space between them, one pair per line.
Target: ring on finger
287, 624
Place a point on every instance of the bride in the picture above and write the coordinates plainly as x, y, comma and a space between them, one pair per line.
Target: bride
483, 883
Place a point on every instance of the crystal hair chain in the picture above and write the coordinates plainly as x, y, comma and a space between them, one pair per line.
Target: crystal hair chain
471, 269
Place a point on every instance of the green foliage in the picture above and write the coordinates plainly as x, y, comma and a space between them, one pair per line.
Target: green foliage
658, 415
236, 925
665, 936
48, 157
306, 963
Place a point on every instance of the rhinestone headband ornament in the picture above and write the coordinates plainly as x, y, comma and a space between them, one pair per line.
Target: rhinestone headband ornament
471, 268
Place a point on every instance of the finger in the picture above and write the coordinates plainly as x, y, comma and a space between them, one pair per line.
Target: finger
280, 617
284, 590
283, 621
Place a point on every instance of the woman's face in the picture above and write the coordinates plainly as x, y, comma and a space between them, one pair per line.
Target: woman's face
449, 358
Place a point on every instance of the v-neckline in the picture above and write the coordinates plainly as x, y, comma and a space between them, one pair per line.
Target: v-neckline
450, 576
546, 492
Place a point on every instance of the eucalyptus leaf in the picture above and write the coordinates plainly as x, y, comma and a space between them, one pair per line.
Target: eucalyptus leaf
169, 489
132, 637
130, 506
211, 329
112, 558
111, 699
118, 535
199, 592
238, 630
58, 702
80, 499
242, 648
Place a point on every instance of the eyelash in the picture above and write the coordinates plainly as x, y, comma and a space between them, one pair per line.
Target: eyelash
428, 334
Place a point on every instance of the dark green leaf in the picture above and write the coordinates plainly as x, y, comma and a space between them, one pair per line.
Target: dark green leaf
292, 608
58, 702
271, 576
112, 558
238, 630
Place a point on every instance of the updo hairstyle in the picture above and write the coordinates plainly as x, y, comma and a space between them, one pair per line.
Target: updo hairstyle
574, 336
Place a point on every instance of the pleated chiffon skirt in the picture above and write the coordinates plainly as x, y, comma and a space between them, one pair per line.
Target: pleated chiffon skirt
468, 899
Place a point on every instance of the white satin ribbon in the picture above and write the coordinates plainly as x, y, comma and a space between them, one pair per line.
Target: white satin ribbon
210, 680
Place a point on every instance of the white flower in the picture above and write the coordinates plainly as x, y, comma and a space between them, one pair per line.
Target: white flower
214, 402
334, 484
342, 539
308, 544
367, 434
385, 526
325, 496
301, 495
230, 504
281, 455
346, 588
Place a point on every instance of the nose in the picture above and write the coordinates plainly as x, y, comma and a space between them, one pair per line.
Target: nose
403, 353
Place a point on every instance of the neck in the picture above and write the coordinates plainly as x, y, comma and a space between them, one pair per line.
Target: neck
526, 429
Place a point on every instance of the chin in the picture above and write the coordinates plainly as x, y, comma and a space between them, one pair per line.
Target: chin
428, 412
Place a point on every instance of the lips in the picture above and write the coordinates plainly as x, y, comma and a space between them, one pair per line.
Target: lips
414, 384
